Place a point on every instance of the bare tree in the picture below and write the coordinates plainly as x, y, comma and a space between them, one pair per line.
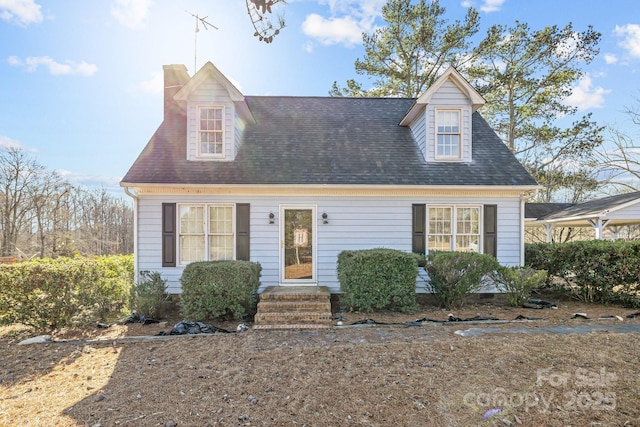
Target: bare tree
45, 202
619, 160
18, 175
104, 223
43, 215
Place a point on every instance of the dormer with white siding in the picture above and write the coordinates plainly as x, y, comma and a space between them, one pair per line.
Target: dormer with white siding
217, 115
440, 119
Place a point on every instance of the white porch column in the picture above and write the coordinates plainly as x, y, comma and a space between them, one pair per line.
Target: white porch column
599, 225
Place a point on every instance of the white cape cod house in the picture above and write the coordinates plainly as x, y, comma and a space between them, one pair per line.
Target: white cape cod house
290, 182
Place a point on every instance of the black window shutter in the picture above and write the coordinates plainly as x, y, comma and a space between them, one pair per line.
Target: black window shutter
418, 229
242, 231
168, 234
491, 230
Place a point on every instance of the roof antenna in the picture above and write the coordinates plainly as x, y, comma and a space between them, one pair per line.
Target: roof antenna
204, 23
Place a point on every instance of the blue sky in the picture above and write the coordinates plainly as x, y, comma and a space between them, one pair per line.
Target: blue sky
80, 81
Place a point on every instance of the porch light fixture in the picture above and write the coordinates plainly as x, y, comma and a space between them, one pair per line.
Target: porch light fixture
325, 218
271, 218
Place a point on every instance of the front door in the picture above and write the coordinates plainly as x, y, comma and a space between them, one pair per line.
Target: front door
298, 245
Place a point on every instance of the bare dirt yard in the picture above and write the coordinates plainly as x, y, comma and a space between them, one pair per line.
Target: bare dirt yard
520, 373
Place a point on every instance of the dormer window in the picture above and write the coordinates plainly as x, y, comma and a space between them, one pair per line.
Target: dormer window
211, 131
448, 134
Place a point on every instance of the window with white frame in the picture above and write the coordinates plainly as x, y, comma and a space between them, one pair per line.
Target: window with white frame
448, 135
211, 131
454, 228
206, 233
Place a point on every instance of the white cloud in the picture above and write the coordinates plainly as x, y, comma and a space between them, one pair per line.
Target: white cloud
348, 20
610, 58
154, 85
489, 6
31, 64
21, 12
333, 30
112, 183
6, 142
131, 13
308, 47
631, 41
586, 97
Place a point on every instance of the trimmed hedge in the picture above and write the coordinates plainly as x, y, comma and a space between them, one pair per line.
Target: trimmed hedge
378, 279
599, 271
454, 275
49, 294
219, 289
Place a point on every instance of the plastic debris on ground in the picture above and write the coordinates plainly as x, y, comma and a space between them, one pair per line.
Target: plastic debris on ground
584, 316
490, 413
136, 317
186, 327
419, 322
538, 304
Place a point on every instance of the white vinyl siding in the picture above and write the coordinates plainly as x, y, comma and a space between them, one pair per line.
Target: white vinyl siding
631, 211
419, 132
364, 222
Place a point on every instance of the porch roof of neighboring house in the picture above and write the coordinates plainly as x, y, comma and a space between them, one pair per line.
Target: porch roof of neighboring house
325, 141
607, 211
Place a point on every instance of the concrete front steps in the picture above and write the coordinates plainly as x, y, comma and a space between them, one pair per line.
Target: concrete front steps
294, 307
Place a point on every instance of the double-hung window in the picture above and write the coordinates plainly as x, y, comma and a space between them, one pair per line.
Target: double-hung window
206, 233
211, 131
448, 136
454, 228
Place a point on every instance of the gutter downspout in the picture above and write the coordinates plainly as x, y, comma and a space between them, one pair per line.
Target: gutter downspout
523, 200
135, 232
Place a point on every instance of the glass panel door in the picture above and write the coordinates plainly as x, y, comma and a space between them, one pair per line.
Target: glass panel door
298, 245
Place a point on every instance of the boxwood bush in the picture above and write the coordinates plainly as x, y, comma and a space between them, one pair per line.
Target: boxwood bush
599, 271
454, 275
378, 279
49, 294
219, 289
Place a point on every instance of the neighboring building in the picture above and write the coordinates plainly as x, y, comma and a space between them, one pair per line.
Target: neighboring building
613, 217
290, 182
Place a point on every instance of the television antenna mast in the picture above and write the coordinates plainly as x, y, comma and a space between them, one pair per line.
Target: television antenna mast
205, 25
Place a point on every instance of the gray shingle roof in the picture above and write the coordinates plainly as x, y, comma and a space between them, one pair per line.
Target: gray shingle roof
325, 140
538, 210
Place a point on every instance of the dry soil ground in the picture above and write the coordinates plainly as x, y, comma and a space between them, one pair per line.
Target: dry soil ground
355, 376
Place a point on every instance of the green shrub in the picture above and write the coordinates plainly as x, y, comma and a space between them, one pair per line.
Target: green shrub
454, 275
149, 296
518, 283
219, 289
378, 279
593, 271
48, 294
